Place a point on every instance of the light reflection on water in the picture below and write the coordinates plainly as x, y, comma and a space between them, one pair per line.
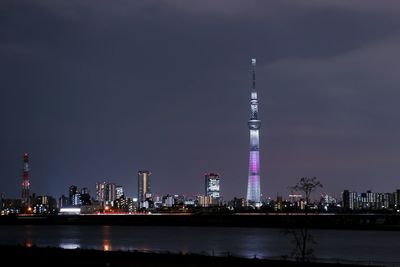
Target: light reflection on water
106, 246
69, 245
247, 242
28, 243
106, 238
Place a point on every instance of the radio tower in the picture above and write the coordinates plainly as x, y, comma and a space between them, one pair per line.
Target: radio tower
25, 181
253, 185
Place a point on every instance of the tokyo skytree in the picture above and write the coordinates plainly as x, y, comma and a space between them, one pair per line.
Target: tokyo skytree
253, 185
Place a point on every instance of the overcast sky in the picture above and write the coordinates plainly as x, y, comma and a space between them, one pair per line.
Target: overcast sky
96, 90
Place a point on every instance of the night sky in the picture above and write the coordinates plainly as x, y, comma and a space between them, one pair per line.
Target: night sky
95, 90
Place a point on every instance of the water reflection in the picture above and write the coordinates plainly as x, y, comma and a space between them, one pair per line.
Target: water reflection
106, 246
106, 230
28, 243
29, 239
247, 242
69, 245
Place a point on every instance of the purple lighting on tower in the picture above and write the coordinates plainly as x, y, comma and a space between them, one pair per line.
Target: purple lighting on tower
253, 185
254, 162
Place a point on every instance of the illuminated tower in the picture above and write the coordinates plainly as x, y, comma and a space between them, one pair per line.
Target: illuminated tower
25, 181
253, 185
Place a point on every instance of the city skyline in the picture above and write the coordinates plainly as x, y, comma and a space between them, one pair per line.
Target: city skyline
106, 191
94, 92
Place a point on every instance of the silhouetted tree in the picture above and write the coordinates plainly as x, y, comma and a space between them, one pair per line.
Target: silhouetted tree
302, 237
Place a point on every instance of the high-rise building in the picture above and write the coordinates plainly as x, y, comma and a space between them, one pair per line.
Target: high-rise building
85, 190
85, 197
168, 201
353, 200
76, 199
73, 189
106, 192
205, 201
63, 201
143, 185
368, 200
120, 191
397, 199
212, 185
101, 191
253, 185
111, 192
25, 182
346, 199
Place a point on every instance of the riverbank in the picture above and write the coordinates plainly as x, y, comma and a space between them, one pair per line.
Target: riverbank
317, 221
37, 256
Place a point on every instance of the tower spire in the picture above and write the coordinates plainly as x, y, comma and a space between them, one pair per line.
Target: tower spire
253, 69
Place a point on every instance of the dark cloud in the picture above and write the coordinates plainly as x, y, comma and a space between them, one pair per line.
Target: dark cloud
97, 90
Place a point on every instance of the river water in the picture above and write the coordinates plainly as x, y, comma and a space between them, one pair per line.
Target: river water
331, 245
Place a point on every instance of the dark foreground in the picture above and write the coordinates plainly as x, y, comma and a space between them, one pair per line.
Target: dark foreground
35, 256
321, 221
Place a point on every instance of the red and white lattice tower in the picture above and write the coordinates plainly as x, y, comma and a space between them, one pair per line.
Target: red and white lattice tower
25, 181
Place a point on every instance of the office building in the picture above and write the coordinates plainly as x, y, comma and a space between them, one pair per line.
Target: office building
144, 190
212, 185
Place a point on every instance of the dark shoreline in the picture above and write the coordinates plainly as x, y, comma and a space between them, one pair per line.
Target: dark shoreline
50, 256
325, 221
